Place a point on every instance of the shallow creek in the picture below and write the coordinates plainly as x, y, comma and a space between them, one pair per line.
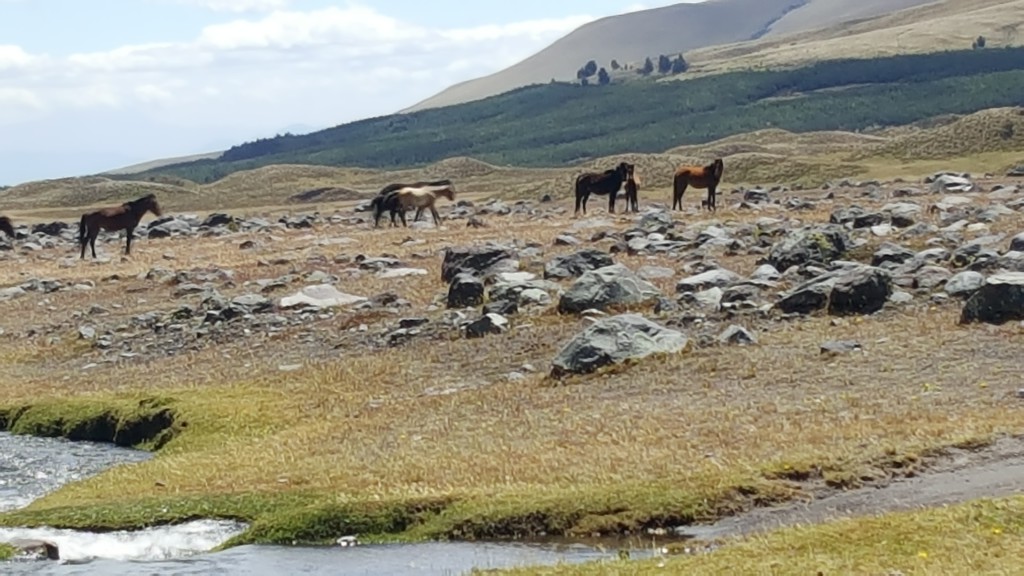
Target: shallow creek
31, 467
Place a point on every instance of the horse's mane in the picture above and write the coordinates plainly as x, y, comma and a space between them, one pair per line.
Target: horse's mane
425, 188
398, 186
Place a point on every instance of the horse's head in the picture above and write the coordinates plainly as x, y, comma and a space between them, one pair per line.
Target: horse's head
717, 167
149, 201
625, 170
448, 191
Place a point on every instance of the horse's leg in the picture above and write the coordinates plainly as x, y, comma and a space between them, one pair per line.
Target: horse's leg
611, 201
579, 197
679, 195
92, 240
402, 214
712, 198
128, 244
437, 217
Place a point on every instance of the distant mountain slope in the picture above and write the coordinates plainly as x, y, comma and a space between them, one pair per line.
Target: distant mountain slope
668, 30
565, 124
946, 25
821, 13
143, 166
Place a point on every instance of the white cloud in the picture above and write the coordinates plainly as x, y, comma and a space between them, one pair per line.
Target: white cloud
14, 57
251, 76
238, 5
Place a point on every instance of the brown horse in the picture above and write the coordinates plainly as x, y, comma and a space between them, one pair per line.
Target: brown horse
124, 217
631, 187
419, 198
6, 227
699, 177
608, 182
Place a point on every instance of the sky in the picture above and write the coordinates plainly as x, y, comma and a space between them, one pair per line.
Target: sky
88, 86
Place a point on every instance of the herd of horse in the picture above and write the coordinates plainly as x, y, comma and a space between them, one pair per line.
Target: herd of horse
623, 177
398, 198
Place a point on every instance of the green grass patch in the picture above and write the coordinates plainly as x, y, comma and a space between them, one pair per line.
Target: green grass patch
7, 552
980, 537
146, 423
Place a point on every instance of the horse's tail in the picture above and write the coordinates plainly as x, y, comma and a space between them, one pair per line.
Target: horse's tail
580, 183
677, 182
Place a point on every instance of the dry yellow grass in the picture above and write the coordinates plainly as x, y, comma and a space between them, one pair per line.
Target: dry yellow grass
681, 437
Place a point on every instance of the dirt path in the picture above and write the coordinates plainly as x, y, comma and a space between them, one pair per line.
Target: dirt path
962, 475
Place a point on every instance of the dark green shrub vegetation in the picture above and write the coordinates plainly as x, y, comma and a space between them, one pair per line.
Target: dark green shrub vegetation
559, 123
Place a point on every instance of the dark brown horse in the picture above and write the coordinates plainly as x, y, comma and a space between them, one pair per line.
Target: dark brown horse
124, 217
608, 182
6, 227
379, 201
631, 188
699, 177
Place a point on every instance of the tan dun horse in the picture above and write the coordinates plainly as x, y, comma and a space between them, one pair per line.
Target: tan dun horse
699, 177
601, 183
420, 197
385, 198
124, 217
6, 227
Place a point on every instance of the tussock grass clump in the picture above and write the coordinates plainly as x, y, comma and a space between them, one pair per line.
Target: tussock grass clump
7, 551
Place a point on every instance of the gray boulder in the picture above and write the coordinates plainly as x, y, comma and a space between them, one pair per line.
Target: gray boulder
999, 300
848, 291
964, 284
465, 290
820, 245
718, 277
480, 261
607, 287
615, 340
575, 264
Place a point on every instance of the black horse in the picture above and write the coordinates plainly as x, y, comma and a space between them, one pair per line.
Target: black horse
7, 227
378, 207
124, 217
608, 183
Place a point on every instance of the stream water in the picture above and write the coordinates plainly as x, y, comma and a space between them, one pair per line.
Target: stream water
31, 467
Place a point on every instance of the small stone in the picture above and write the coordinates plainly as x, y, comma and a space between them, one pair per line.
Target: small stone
834, 347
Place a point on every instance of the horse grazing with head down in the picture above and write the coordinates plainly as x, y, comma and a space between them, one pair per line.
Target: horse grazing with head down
419, 197
377, 204
6, 227
124, 217
608, 182
699, 177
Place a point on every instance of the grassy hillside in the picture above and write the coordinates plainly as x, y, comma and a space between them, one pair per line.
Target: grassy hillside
667, 30
987, 141
560, 124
